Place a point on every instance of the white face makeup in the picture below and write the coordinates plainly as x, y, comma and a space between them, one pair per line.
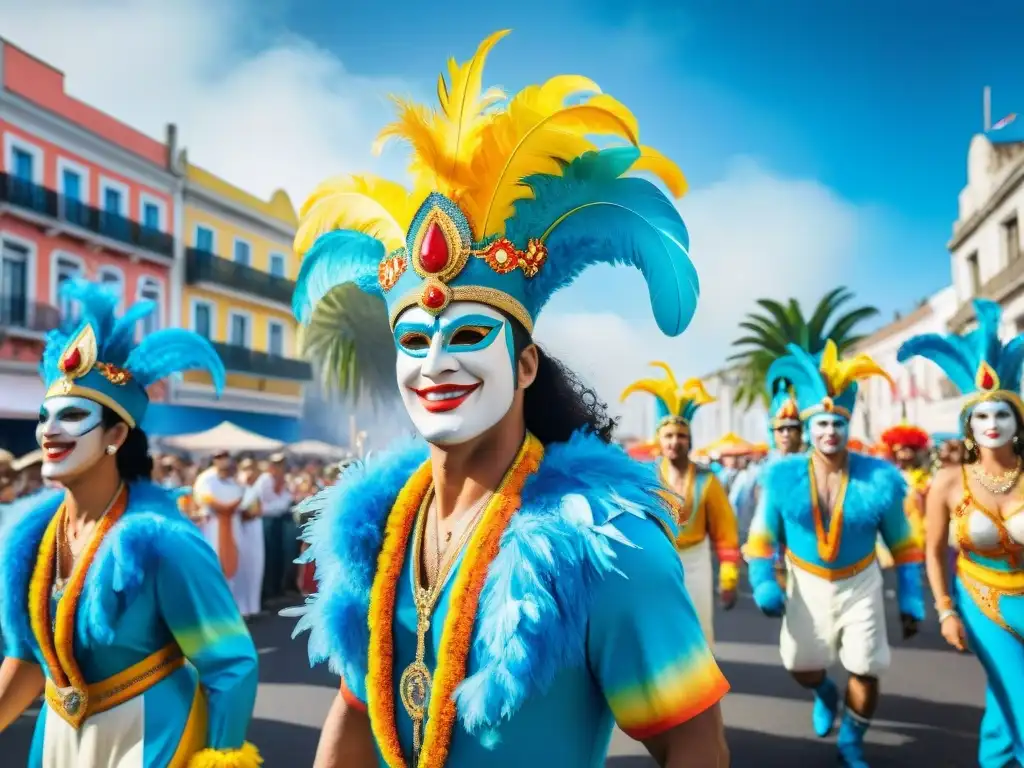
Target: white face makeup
71, 436
993, 423
828, 432
456, 371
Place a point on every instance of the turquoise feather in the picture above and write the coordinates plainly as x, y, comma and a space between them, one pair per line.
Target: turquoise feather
601, 217
339, 257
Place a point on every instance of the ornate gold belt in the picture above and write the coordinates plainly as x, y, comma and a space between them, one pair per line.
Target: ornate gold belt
987, 585
115, 690
831, 574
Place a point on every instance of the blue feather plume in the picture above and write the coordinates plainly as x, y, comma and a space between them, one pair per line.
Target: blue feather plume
593, 214
960, 357
799, 370
336, 258
171, 351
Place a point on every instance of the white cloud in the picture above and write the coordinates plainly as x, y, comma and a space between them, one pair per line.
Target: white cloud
753, 235
264, 110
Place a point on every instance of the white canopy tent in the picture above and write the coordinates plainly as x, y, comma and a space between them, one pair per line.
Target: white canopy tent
224, 437
317, 448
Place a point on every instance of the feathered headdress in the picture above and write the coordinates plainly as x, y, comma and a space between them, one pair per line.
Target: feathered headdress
826, 384
94, 354
783, 410
978, 363
675, 404
905, 435
511, 200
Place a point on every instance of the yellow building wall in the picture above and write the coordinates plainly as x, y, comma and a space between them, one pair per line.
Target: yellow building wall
225, 233
278, 387
259, 338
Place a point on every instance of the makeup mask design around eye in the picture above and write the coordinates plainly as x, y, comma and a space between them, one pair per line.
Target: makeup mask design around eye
993, 423
828, 433
71, 436
455, 372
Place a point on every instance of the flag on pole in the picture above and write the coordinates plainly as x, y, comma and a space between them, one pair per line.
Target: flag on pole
1005, 121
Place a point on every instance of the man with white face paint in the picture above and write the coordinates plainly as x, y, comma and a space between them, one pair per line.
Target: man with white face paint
975, 506
828, 509
503, 590
112, 606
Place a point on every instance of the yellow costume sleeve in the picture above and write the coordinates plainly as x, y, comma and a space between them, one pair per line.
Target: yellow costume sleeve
724, 532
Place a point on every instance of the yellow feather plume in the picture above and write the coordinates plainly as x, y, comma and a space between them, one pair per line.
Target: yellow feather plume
377, 207
667, 389
840, 374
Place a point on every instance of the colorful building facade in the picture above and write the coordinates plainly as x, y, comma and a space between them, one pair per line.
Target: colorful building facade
80, 194
237, 279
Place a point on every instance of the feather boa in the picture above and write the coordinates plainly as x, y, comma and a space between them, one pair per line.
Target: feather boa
535, 603
151, 529
874, 487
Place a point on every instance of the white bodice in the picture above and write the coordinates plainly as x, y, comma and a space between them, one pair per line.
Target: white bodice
983, 533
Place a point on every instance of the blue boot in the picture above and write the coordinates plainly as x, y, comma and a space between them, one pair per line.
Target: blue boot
826, 704
851, 740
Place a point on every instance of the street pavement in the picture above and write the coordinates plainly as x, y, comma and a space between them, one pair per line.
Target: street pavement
929, 713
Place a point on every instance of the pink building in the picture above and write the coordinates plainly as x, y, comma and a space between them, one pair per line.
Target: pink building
80, 194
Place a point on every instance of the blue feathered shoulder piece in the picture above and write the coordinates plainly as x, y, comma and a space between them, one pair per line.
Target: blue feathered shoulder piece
977, 363
151, 531
511, 200
555, 551
875, 486
94, 353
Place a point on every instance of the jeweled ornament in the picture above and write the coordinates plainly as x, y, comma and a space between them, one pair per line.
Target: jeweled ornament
71, 361
986, 378
414, 688
434, 297
72, 703
434, 253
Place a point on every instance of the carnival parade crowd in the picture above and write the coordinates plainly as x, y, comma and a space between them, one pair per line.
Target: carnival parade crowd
512, 585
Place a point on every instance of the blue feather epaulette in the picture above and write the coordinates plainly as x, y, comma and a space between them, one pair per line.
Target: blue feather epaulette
874, 487
555, 550
151, 530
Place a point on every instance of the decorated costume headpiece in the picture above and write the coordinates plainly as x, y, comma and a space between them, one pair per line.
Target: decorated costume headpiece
824, 384
905, 435
978, 363
675, 404
511, 199
94, 354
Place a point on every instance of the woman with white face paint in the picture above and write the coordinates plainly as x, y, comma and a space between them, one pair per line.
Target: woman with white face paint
106, 590
978, 505
501, 591
829, 508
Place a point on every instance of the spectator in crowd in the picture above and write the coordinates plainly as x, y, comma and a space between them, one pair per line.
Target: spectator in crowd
218, 497
280, 535
251, 553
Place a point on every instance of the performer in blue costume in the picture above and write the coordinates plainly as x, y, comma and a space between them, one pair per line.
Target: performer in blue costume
501, 592
112, 606
828, 510
979, 503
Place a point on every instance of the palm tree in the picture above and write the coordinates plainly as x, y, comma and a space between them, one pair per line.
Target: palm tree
778, 325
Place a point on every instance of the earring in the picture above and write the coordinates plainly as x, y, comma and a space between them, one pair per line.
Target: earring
111, 450
1016, 439
969, 444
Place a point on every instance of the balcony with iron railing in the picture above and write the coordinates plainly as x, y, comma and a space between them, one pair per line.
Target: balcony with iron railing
205, 267
20, 314
244, 360
83, 219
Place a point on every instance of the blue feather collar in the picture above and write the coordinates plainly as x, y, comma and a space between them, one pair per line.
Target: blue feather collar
537, 595
874, 486
151, 528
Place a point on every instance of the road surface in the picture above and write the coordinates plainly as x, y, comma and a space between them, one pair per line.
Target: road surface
929, 714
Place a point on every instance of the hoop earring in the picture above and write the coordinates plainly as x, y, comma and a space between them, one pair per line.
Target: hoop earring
111, 450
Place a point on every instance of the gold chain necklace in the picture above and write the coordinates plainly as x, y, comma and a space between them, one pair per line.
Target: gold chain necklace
414, 685
997, 484
470, 515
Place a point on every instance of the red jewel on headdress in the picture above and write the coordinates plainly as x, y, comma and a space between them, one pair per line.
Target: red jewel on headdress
71, 361
434, 253
988, 381
433, 297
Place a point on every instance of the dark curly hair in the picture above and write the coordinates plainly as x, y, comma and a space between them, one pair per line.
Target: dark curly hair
972, 454
558, 403
133, 460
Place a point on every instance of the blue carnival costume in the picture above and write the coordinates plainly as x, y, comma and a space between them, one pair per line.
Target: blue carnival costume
989, 586
147, 661
566, 609
833, 599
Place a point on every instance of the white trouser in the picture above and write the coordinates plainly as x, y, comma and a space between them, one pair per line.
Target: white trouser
247, 586
111, 739
828, 618
700, 583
